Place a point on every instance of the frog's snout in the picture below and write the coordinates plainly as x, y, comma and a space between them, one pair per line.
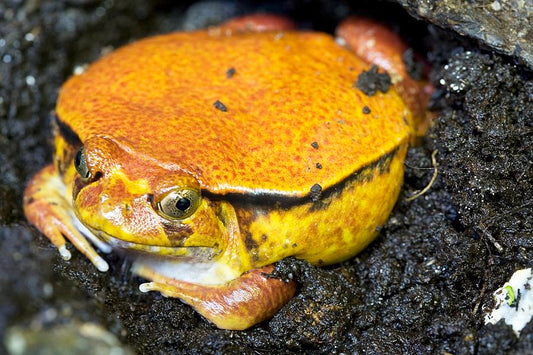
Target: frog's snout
135, 214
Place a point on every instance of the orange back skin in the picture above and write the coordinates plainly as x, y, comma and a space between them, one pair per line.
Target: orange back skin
290, 98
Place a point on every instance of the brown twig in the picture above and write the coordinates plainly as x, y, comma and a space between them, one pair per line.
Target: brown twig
433, 178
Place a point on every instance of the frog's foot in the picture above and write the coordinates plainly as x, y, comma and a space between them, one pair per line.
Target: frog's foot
238, 304
47, 208
377, 44
256, 23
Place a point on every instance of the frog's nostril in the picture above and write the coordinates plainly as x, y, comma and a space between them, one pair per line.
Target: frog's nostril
150, 198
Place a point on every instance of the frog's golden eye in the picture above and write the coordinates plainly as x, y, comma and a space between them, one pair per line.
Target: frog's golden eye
179, 204
80, 163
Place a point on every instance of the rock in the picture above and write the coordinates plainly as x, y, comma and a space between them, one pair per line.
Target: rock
503, 25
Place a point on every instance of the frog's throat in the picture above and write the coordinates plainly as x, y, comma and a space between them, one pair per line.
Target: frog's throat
196, 272
189, 264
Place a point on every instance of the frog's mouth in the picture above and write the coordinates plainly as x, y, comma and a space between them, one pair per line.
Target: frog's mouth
106, 242
190, 264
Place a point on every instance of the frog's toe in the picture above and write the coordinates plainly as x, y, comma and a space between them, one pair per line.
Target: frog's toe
62, 225
63, 251
156, 286
82, 244
100, 264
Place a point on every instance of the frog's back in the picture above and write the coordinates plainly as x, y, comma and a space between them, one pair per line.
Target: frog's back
290, 119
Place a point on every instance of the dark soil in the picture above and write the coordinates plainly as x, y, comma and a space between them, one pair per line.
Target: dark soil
421, 287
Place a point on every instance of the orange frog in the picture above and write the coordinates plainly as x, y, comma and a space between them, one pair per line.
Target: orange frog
207, 156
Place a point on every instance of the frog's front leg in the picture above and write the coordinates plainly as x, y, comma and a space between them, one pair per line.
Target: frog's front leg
237, 305
47, 207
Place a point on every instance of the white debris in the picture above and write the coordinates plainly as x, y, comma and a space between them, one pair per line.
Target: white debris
514, 301
80, 69
30, 80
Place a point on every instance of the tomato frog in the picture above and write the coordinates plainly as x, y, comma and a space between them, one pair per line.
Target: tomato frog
208, 156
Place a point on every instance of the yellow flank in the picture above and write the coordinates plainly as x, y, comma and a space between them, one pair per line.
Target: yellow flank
346, 223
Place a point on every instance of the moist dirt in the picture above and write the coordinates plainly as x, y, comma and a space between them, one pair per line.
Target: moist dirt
423, 286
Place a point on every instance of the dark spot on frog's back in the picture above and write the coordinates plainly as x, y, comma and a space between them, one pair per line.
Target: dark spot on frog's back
230, 73
220, 106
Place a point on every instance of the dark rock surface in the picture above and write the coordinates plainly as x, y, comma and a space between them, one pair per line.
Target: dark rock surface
421, 287
502, 25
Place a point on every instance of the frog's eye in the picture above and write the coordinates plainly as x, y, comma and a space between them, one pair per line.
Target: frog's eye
179, 204
80, 163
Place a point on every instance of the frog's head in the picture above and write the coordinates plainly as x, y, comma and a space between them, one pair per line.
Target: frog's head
135, 203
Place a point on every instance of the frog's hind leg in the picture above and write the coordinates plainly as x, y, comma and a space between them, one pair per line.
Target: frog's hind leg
239, 304
47, 208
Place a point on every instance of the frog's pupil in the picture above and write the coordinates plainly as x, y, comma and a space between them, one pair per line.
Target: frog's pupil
77, 159
183, 203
